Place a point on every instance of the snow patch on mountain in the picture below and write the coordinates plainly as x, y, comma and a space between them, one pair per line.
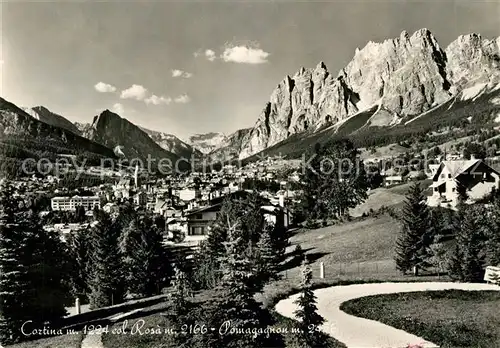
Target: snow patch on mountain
473, 92
118, 150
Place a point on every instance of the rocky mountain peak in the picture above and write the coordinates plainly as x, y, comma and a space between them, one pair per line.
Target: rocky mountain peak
106, 119
115, 132
472, 58
41, 108
404, 36
321, 66
43, 114
404, 76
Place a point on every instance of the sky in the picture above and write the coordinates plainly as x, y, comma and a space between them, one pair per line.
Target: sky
198, 66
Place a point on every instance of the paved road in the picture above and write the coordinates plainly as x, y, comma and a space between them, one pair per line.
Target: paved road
357, 332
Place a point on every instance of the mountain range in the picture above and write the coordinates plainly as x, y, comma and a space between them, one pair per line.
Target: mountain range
399, 78
388, 89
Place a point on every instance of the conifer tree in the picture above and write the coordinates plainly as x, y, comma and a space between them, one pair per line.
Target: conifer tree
181, 291
334, 180
236, 304
15, 285
493, 238
251, 225
49, 273
80, 251
32, 269
468, 260
79, 216
145, 257
306, 312
416, 232
106, 279
184, 312
267, 258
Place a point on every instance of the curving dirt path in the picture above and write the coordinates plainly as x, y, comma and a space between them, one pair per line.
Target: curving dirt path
357, 332
93, 339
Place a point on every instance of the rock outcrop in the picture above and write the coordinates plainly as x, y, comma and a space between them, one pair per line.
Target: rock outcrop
43, 114
173, 144
404, 77
230, 147
206, 143
111, 130
472, 59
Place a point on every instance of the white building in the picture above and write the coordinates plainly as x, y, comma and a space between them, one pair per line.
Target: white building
393, 180
188, 194
70, 203
474, 176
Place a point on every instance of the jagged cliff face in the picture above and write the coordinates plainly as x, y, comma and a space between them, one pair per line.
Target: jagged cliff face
472, 59
127, 140
403, 77
406, 74
208, 142
82, 127
231, 146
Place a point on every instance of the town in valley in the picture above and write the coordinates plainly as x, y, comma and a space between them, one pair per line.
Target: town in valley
176, 175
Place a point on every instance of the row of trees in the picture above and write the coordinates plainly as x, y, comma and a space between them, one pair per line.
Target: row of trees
461, 243
243, 253
40, 274
33, 267
119, 256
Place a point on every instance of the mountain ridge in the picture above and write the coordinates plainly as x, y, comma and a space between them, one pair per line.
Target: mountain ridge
404, 77
172, 143
43, 114
127, 139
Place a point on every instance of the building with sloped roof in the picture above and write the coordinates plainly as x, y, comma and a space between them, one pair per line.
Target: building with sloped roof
474, 176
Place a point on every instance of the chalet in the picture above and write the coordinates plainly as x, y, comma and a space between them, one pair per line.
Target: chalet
200, 219
474, 176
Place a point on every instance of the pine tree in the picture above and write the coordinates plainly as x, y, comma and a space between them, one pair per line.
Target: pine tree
251, 225
306, 312
279, 238
461, 195
32, 269
106, 280
80, 251
145, 257
15, 285
334, 180
416, 232
236, 304
267, 258
80, 214
181, 291
469, 257
50, 270
493, 238
184, 312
